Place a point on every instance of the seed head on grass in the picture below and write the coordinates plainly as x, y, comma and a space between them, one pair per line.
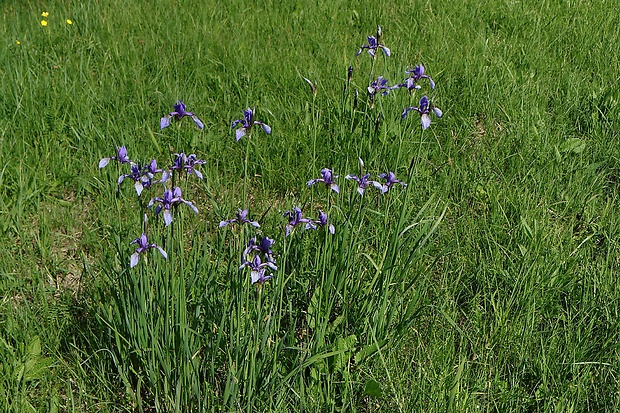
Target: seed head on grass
240, 218
246, 124
374, 44
121, 157
390, 180
143, 245
424, 109
170, 199
313, 86
179, 113
327, 178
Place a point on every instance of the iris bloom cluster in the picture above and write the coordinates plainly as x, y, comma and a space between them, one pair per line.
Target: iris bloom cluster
365, 181
140, 176
186, 163
411, 83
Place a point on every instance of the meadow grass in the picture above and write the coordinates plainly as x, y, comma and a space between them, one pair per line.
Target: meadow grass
489, 283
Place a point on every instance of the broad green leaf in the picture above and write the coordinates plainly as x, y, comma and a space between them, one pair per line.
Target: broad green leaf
373, 388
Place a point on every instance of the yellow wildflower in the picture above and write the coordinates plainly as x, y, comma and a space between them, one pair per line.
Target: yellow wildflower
69, 21
45, 14
18, 42
43, 23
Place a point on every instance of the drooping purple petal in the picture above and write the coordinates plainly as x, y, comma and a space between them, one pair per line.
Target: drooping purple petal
161, 251
266, 128
135, 257
167, 217
164, 122
104, 162
426, 121
240, 133
198, 122
139, 187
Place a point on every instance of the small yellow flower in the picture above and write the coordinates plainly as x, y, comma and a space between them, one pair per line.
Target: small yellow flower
69, 21
18, 42
43, 23
45, 14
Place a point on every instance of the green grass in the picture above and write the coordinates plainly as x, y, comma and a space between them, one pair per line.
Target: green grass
503, 297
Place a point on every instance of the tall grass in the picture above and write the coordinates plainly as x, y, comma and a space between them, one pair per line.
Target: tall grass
487, 284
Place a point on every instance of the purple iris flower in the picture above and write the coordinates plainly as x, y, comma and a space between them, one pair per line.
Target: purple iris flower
191, 162
295, 218
390, 180
121, 157
374, 44
143, 245
415, 75
424, 110
149, 174
262, 245
171, 198
379, 85
327, 179
257, 268
362, 182
185, 163
179, 113
241, 218
139, 176
246, 124
322, 221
